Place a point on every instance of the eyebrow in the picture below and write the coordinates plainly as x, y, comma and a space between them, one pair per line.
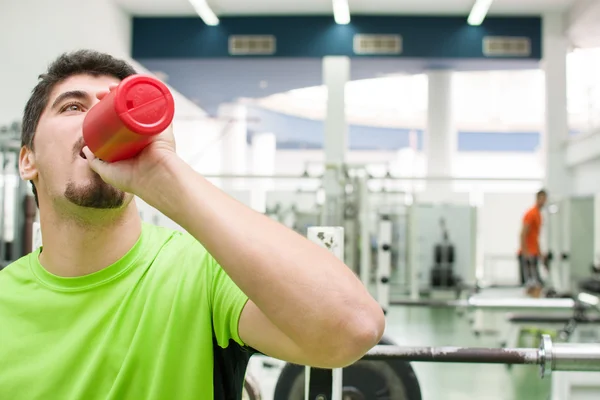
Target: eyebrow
73, 94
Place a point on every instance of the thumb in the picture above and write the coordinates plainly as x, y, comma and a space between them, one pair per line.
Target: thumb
96, 164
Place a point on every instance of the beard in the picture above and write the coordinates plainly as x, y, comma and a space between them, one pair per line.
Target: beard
96, 194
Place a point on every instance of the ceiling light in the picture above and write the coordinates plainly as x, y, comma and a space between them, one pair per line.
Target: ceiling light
204, 11
479, 11
341, 12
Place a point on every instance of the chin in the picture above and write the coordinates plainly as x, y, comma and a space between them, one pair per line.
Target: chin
96, 195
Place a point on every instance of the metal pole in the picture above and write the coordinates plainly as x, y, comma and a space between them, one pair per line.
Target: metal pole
575, 357
245, 176
498, 304
365, 232
372, 178
455, 355
582, 357
384, 262
331, 238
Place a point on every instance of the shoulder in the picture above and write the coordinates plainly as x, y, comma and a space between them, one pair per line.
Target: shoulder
17, 273
178, 243
531, 213
175, 249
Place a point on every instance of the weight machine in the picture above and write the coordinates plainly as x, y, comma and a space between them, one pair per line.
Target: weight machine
18, 209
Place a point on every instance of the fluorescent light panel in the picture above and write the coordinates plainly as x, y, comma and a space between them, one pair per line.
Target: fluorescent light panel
341, 12
204, 11
479, 11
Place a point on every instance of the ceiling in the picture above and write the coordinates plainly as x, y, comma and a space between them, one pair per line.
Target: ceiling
201, 80
316, 7
210, 82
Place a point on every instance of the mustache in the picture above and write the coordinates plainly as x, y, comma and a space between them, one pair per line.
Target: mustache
79, 144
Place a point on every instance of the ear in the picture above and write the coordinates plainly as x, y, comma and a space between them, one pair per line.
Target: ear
27, 166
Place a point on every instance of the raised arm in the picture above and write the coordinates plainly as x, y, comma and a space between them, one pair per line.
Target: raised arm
306, 305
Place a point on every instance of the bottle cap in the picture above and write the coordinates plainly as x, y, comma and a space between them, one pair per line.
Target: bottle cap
144, 104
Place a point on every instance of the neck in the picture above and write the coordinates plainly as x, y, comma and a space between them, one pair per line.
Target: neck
73, 247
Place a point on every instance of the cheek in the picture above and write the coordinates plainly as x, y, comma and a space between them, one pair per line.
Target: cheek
54, 169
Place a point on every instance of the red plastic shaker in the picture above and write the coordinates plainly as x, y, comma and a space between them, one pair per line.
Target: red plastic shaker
124, 122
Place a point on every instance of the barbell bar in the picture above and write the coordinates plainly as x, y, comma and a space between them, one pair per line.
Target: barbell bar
549, 356
496, 304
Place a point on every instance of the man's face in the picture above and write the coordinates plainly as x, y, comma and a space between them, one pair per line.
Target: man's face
57, 166
541, 200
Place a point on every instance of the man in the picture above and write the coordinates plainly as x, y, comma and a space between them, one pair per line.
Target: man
112, 308
529, 252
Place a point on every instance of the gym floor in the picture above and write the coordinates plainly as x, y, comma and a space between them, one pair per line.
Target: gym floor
440, 381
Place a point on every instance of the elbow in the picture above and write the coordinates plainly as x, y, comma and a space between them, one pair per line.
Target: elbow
364, 338
359, 335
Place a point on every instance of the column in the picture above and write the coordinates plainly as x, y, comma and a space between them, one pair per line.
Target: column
31, 41
554, 52
263, 163
440, 137
233, 143
336, 72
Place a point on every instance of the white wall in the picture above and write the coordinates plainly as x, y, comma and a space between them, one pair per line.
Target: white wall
34, 32
586, 178
499, 226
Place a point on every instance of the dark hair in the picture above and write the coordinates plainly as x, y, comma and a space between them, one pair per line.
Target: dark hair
541, 193
66, 65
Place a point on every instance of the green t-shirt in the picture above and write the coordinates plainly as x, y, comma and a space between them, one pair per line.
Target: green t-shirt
161, 323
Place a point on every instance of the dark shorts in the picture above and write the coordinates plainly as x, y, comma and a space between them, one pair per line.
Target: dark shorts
529, 269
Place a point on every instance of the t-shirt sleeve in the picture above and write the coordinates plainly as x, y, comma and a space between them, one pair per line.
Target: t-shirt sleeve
227, 302
528, 219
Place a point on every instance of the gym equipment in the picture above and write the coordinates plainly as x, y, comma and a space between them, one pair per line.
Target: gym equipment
497, 304
444, 265
17, 207
549, 357
332, 239
124, 121
442, 273
365, 379
384, 261
592, 284
251, 390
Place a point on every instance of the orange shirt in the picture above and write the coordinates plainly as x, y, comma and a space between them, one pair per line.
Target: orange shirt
533, 218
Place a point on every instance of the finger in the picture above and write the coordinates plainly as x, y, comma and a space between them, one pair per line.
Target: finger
102, 94
95, 163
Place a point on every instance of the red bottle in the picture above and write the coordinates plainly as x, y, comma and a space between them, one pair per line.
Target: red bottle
124, 122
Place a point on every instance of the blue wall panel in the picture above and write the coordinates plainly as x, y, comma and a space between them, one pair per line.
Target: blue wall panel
301, 133
489, 141
318, 36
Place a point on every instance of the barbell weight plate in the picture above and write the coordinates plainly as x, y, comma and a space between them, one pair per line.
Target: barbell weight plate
251, 390
365, 379
369, 380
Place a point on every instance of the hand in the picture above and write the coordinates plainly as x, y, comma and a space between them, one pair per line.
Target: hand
133, 174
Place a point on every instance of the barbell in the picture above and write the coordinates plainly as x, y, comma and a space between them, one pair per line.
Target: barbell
321, 385
549, 356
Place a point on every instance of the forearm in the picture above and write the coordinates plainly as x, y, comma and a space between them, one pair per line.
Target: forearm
302, 288
523, 244
523, 238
